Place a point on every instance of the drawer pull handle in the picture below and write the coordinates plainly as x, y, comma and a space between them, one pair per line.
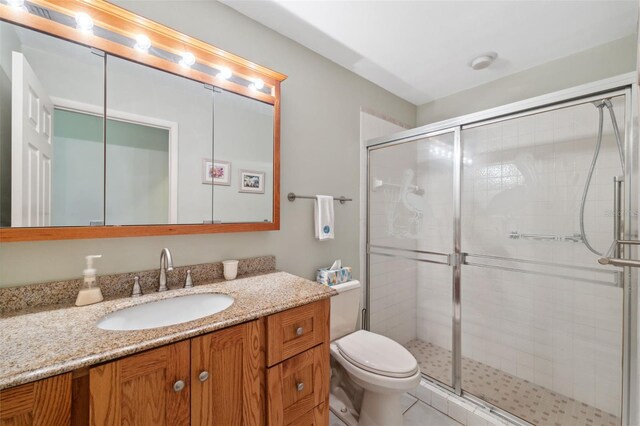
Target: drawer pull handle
203, 376
178, 386
299, 331
300, 387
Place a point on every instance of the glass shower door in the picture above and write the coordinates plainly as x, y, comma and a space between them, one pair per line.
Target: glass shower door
410, 243
542, 321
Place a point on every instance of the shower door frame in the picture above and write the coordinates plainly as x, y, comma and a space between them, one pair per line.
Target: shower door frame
625, 84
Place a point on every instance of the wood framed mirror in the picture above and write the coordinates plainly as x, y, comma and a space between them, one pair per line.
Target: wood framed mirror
112, 125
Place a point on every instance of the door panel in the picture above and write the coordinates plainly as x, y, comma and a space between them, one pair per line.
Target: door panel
32, 151
44, 402
411, 238
540, 315
143, 389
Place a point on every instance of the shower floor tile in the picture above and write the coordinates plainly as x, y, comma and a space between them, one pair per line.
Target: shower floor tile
533, 403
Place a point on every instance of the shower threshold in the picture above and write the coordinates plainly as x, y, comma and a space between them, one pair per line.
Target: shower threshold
528, 401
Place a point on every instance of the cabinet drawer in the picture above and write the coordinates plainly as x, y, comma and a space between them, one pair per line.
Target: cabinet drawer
319, 416
298, 385
296, 330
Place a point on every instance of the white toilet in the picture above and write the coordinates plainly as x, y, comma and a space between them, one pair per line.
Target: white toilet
381, 367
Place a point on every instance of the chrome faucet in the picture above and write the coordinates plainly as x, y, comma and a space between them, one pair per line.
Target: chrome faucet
166, 265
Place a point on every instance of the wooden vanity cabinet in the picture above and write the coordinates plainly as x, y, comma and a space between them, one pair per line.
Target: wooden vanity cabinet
42, 403
214, 379
271, 371
225, 382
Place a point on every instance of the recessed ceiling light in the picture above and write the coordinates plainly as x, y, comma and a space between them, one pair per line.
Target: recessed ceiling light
225, 73
187, 59
483, 61
143, 43
84, 22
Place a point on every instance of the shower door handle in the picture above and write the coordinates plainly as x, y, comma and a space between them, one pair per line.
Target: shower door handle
614, 254
619, 262
615, 261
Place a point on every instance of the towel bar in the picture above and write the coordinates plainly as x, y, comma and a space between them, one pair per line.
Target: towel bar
292, 197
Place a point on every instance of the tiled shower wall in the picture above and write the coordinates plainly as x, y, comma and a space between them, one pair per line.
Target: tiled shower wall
526, 176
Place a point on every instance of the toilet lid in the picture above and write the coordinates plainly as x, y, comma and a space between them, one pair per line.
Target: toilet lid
377, 354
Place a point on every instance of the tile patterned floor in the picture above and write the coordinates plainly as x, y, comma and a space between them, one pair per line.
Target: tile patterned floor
533, 403
416, 413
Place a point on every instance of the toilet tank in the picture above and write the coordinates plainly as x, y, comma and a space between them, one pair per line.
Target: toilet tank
345, 308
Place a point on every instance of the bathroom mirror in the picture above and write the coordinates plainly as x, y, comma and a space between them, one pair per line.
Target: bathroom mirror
100, 138
51, 131
154, 164
243, 149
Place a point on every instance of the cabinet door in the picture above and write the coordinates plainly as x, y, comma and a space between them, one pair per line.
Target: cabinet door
45, 402
142, 389
227, 372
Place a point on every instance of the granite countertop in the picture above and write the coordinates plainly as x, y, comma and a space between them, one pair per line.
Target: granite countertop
36, 345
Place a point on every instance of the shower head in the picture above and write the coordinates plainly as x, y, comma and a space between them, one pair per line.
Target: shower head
601, 103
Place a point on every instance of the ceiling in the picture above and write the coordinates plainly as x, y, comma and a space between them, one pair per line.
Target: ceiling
421, 50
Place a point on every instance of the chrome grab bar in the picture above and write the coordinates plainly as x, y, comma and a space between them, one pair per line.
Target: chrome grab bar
575, 238
547, 269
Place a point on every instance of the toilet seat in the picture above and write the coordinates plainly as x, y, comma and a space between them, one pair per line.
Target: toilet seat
377, 354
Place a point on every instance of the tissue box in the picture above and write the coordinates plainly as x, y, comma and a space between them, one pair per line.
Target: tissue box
333, 276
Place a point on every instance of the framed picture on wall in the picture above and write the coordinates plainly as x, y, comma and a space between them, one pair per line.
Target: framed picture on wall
251, 181
216, 172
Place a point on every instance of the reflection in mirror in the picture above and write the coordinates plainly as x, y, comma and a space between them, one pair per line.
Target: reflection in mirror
160, 126
51, 135
242, 169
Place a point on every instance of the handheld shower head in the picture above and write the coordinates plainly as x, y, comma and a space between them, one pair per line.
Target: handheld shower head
601, 103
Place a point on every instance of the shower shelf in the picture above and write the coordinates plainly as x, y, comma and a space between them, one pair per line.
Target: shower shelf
575, 238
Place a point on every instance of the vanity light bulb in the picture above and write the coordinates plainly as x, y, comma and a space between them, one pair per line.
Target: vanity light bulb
258, 83
225, 73
143, 43
187, 59
18, 4
84, 22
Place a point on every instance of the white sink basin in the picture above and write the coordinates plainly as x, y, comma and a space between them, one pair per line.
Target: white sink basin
162, 313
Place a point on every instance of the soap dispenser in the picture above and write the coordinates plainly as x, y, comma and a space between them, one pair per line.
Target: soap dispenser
89, 292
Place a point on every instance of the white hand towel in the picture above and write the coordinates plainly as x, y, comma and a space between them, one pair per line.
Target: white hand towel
323, 215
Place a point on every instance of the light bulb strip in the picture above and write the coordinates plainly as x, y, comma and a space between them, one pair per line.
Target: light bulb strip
204, 54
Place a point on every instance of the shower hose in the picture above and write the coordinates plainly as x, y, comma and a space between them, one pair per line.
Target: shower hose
600, 105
